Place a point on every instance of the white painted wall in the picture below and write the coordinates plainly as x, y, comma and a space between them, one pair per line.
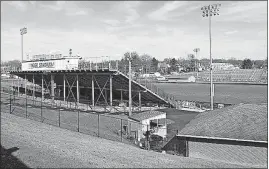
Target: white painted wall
162, 131
62, 64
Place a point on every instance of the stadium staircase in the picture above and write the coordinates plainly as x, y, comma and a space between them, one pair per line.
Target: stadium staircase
148, 85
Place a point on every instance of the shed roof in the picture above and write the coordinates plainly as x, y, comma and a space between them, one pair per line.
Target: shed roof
145, 115
243, 121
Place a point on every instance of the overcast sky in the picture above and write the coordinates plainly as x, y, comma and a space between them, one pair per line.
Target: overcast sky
158, 28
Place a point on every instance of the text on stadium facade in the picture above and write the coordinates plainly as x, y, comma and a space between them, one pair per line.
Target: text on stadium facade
42, 65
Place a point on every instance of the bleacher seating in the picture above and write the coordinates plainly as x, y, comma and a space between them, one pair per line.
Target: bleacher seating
238, 75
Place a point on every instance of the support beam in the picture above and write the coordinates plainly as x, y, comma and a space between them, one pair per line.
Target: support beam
110, 90
18, 86
52, 87
105, 95
77, 89
130, 96
64, 88
42, 85
25, 85
33, 87
121, 100
92, 91
139, 97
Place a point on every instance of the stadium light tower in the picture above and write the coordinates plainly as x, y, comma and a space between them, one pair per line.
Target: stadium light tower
208, 11
196, 50
23, 31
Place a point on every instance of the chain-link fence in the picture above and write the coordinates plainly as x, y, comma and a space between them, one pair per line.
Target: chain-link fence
108, 126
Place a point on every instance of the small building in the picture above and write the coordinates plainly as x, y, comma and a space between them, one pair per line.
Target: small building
222, 66
154, 121
235, 134
178, 79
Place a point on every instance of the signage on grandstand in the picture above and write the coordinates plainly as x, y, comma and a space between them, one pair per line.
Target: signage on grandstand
50, 64
46, 57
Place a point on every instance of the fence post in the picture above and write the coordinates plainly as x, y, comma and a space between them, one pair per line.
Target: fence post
26, 105
78, 120
98, 123
41, 111
147, 137
121, 129
10, 103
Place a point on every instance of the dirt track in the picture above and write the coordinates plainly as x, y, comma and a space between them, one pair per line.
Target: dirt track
42, 145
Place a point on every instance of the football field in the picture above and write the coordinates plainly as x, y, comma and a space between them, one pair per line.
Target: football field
224, 93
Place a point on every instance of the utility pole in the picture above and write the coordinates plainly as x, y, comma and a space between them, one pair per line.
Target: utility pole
196, 50
23, 31
130, 89
208, 11
130, 94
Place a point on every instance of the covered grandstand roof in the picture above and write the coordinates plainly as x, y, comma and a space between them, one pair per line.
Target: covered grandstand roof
120, 82
243, 121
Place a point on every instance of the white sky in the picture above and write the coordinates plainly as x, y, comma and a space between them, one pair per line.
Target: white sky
158, 28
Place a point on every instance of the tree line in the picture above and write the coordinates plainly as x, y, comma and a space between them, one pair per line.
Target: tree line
146, 63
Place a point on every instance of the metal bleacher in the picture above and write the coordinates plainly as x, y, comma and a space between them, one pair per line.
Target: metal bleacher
101, 74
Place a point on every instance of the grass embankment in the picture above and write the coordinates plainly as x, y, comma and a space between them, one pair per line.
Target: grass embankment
41, 145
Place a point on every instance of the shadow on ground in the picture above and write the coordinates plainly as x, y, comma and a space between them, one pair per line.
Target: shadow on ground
10, 161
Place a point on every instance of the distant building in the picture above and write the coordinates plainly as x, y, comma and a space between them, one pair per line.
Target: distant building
178, 79
5, 69
222, 66
179, 68
163, 66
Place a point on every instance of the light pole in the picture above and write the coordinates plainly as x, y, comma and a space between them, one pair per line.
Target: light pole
208, 11
23, 31
130, 86
130, 92
196, 50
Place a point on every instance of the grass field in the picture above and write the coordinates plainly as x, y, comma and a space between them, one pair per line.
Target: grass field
39, 145
224, 93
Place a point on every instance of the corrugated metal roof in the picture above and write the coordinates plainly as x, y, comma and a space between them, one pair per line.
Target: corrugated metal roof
146, 115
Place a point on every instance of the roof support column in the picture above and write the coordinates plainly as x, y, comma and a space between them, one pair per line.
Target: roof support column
33, 87
25, 85
92, 91
18, 86
121, 100
78, 89
130, 96
42, 86
64, 88
139, 97
110, 89
52, 87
